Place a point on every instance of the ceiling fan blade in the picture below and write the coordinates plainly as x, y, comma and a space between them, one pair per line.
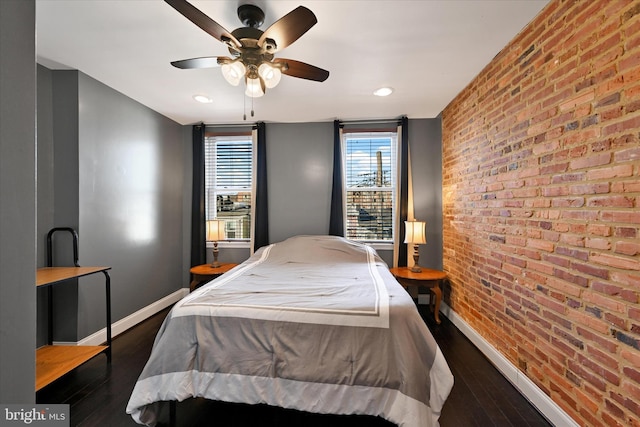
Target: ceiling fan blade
203, 21
203, 62
289, 28
303, 70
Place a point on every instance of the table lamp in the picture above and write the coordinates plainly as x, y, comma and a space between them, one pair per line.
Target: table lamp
415, 233
215, 233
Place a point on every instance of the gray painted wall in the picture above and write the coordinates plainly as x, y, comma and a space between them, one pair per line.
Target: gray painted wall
299, 170
45, 186
118, 179
64, 165
425, 145
17, 201
130, 198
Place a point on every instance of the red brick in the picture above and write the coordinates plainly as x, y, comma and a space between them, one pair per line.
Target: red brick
627, 248
625, 125
631, 390
614, 409
629, 217
611, 201
591, 161
580, 318
603, 358
617, 171
605, 343
632, 373
604, 302
632, 357
616, 261
632, 154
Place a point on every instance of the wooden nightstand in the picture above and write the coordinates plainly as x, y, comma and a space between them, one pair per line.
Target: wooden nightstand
427, 277
205, 273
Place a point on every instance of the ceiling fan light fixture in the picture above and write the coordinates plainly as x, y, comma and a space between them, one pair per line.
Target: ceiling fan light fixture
254, 88
233, 72
270, 75
383, 91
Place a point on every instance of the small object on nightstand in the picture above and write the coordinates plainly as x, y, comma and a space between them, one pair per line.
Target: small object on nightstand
205, 273
215, 233
427, 277
415, 233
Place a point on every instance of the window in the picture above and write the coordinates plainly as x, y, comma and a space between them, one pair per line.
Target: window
370, 180
228, 183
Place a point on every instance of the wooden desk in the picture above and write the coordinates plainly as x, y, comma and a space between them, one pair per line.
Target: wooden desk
427, 277
53, 361
205, 273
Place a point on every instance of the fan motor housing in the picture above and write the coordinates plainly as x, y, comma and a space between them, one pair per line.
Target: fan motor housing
251, 15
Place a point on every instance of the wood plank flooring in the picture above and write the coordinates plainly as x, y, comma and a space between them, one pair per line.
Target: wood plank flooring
98, 394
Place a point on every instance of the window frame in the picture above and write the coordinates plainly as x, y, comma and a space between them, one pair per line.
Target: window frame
369, 134
212, 191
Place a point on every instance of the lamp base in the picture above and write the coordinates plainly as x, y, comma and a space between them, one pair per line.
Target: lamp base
416, 268
215, 263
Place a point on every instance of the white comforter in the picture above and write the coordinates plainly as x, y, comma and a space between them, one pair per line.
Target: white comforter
315, 323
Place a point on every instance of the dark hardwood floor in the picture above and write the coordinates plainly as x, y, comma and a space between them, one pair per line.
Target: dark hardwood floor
98, 393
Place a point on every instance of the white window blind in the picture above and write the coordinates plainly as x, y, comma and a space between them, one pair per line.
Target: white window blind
370, 185
228, 183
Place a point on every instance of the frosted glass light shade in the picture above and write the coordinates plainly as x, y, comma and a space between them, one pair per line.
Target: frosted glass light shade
254, 88
415, 232
270, 75
233, 72
215, 230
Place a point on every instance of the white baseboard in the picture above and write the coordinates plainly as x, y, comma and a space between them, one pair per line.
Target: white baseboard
131, 320
547, 407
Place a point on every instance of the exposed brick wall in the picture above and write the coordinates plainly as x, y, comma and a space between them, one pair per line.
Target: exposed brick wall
541, 161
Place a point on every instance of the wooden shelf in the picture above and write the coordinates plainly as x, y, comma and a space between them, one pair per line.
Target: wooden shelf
52, 275
53, 361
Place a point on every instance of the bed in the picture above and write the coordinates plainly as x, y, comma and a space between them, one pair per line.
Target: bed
313, 323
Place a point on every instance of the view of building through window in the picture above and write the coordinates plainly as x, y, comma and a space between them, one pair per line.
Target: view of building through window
228, 183
370, 185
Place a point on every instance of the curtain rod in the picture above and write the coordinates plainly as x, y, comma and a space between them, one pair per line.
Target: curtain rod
370, 122
241, 125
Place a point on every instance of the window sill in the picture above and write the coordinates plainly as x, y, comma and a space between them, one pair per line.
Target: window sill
231, 244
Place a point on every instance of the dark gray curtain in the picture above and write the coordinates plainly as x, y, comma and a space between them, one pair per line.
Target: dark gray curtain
261, 220
404, 189
198, 230
336, 218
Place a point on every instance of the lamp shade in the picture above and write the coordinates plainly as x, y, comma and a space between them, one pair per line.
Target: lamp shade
215, 230
415, 232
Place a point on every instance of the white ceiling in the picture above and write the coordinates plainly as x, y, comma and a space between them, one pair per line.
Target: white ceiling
428, 51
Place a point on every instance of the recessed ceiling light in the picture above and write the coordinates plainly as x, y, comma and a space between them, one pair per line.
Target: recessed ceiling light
203, 99
383, 91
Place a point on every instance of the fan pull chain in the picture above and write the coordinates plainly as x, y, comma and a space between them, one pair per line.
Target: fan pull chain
244, 108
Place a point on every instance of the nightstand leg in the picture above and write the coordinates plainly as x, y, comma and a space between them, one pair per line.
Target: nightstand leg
437, 292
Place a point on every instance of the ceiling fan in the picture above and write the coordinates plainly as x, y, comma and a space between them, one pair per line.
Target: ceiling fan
252, 50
